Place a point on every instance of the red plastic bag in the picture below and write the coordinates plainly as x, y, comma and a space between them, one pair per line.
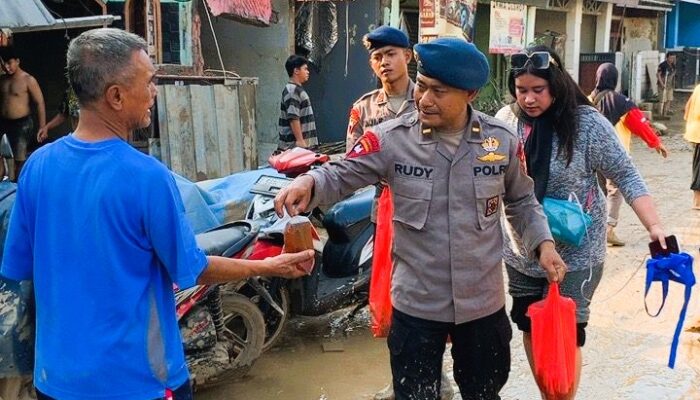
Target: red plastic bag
554, 342
380, 281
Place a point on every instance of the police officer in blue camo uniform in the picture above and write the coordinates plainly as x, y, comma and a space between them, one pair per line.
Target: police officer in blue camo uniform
389, 55
453, 171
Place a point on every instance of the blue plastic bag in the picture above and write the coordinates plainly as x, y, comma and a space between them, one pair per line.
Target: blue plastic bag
567, 220
677, 267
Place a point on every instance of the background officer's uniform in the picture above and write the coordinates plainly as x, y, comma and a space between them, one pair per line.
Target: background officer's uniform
374, 107
448, 242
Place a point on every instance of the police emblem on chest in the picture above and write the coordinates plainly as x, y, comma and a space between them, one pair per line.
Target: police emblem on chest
490, 145
491, 206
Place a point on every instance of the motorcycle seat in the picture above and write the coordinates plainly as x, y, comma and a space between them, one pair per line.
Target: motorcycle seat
227, 240
348, 212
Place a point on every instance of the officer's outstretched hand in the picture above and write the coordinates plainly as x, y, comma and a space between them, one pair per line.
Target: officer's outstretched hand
296, 197
551, 262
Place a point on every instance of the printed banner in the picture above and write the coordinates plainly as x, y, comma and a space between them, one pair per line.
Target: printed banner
427, 13
507, 31
462, 13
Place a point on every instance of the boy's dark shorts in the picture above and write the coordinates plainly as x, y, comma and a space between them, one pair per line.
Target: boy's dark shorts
19, 132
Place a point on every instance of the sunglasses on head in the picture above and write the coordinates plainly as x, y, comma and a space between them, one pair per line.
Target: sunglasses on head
538, 60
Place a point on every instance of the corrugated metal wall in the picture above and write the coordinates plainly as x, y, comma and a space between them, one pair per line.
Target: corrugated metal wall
208, 132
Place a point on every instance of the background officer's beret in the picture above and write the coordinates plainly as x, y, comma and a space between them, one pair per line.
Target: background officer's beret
454, 62
385, 36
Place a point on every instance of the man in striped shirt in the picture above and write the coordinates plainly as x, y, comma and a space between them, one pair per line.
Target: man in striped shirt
297, 127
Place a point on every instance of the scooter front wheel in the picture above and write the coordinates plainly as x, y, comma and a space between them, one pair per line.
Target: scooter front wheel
243, 335
274, 321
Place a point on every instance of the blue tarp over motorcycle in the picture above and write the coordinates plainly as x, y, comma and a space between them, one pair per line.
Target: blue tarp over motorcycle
211, 203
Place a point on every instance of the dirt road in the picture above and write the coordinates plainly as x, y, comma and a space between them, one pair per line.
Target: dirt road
626, 352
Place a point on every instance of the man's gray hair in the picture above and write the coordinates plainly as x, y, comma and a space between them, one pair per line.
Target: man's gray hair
99, 58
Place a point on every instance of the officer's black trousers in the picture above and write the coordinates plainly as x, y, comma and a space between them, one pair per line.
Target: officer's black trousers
480, 350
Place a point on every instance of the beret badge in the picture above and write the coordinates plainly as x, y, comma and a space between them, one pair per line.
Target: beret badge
366, 42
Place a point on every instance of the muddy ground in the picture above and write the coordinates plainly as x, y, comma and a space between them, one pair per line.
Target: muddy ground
626, 352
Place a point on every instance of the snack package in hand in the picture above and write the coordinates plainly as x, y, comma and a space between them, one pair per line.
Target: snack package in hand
298, 236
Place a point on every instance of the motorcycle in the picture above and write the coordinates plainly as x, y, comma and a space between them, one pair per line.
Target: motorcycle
344, 248
222, 330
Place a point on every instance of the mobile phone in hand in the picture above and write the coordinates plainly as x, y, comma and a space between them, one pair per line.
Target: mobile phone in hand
657, 251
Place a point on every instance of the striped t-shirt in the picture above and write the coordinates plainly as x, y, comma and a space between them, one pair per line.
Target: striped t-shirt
296, 105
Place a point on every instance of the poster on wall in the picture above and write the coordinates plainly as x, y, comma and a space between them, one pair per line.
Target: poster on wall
443, 7
462, 13
507, 30
427, 13
452, 12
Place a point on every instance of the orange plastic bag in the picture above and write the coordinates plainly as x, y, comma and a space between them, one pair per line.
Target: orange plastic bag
554, 342
380, 281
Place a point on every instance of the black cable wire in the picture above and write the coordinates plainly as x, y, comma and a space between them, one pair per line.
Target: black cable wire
65, 25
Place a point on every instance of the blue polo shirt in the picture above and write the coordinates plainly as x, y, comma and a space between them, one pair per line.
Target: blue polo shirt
100, 228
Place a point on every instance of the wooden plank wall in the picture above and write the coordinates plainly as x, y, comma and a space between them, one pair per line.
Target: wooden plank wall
208, 132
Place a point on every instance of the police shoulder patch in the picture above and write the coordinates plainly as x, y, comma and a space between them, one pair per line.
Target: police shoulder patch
366, 144
355, 116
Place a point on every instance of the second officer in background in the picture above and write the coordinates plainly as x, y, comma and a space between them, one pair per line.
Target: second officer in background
389, 55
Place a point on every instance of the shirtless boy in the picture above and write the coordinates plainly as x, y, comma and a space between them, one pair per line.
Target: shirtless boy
18, 91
